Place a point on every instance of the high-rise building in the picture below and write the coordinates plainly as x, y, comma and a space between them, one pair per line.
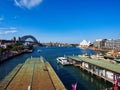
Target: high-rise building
107, 44
113, 44
97, 43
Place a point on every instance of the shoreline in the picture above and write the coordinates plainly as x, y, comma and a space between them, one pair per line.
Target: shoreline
101, 50
95, 49
14, 55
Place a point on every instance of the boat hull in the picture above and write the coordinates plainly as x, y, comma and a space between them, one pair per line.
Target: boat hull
63, 61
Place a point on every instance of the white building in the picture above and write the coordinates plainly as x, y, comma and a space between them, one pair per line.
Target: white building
85, 44
97, 43
3, 45
107, 43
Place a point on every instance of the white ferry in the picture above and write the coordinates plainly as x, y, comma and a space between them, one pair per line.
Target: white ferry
63, 61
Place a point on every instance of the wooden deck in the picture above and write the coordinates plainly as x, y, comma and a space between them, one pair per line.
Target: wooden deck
4, 84
35, 75
54, 78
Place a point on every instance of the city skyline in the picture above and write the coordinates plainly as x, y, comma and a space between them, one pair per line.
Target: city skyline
68, 21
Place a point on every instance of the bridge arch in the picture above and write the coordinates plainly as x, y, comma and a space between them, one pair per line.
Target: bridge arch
24, 38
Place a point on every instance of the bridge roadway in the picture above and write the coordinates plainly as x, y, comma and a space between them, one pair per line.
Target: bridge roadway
35, 74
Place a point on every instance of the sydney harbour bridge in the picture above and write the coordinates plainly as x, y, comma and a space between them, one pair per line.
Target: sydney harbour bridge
24, 38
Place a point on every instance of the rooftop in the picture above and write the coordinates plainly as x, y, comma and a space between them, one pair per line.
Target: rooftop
101, 63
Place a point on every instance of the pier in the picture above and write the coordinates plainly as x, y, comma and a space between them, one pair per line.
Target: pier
101, 68
34, 74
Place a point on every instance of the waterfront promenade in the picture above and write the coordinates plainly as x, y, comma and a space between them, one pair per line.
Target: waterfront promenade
95, 49
34, 74
98, 49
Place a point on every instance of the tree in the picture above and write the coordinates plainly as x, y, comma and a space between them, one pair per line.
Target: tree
16, 48
1, 50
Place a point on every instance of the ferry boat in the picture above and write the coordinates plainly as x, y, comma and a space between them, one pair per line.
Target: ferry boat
63, 61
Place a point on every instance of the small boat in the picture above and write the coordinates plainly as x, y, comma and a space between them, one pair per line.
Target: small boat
63, 61
39, 51
117, 60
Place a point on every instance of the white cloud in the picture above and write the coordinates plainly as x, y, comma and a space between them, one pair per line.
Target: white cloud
10, 30
27, 3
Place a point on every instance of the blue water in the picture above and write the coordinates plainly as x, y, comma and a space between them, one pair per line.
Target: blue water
67, 74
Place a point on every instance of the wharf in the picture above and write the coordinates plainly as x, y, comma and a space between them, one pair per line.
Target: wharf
104, 69
35, 74
8, 79
101, 63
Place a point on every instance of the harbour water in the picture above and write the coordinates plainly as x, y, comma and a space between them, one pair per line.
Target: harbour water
68, 74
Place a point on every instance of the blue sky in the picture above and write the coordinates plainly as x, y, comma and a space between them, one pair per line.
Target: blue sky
68, 21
